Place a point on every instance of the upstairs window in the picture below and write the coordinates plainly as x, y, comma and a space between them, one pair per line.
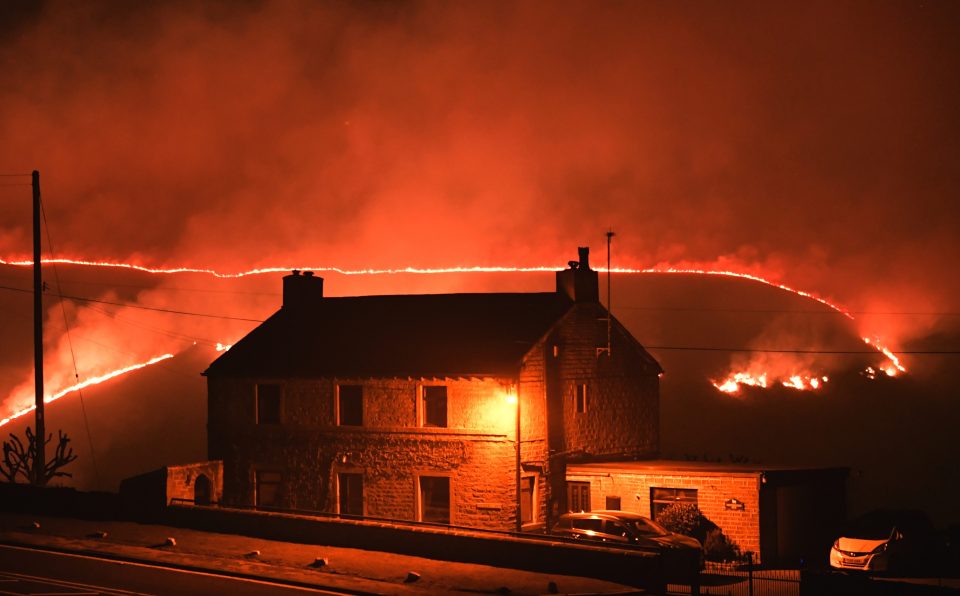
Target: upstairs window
580, 398
350, 405
268, 403
435, 406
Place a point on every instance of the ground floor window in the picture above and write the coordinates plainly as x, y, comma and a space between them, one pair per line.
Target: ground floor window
435, 499
661, 498
527, 491
350, 490
578, 496
267, 488
612, 504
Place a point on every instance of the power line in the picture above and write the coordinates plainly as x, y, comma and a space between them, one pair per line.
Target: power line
141, 307
73, 355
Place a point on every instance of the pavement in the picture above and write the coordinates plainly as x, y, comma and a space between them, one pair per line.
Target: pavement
306, 565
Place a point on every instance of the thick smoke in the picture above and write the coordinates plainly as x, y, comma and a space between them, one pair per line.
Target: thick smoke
819, 138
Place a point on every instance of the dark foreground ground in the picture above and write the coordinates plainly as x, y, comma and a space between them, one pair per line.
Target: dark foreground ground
352, 571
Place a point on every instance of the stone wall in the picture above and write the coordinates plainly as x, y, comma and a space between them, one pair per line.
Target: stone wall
476, 451
622, 396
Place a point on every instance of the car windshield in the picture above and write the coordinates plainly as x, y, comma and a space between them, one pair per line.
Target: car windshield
645, 527
869, 533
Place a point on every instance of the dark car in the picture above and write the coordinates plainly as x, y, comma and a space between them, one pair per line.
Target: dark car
682, 555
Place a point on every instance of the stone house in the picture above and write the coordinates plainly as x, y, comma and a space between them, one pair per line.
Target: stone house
462, 409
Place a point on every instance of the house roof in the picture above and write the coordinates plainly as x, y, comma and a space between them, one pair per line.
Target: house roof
434, 335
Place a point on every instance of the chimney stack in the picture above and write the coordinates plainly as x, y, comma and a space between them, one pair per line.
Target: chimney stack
580, 283
301, 289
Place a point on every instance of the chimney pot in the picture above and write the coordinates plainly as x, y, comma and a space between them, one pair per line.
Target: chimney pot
301, 291
579, 282
584, 257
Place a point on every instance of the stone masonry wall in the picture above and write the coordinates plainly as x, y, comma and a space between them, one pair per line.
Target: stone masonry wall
622, 413
713, 490
476, 451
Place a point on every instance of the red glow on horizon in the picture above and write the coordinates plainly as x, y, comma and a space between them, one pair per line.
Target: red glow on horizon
729, 385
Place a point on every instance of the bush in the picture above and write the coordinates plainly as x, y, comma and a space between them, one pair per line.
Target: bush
717, 547
687, 519
682, 518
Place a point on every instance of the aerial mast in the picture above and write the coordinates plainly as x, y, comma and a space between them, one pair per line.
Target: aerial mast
610, 235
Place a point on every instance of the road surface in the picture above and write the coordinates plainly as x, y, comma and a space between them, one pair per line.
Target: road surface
30, 571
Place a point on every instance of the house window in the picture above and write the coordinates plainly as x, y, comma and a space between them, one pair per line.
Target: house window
350, 405
268, 403
613, 503
267, 488
661, 498
527, 490
435, 499
350, 489
578, 496
580, 399
435, 406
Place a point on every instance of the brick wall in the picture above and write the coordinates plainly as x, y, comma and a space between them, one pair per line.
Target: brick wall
713, 490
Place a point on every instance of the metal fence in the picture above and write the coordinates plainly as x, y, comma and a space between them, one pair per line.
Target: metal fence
744, 580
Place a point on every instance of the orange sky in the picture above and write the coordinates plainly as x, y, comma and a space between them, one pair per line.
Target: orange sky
813, 143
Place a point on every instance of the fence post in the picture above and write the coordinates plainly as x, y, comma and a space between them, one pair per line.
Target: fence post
750, 572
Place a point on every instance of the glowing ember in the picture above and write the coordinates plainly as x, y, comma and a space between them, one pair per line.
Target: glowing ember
804, 383
733, 382
223, 347
892, 369
87, 383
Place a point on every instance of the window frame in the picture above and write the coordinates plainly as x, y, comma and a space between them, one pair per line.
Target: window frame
534, 480
424, 409
339, 404
575, 486
258, 400
679, 495
419, 496
258, 484
339, 474
580, 398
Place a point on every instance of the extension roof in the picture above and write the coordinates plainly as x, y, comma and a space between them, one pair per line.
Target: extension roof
433, 335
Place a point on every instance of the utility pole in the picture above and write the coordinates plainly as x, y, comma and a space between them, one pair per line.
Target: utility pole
40, 460
610, 235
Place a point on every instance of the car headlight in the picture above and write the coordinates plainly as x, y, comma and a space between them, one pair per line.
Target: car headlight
880, 549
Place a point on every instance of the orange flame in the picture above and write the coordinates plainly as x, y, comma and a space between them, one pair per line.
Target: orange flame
87, 383
730, 385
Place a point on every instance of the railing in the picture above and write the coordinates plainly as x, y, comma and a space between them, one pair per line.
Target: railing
744, 579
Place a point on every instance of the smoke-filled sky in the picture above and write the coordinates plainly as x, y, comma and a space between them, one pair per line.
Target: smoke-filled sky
817, 143
812, 143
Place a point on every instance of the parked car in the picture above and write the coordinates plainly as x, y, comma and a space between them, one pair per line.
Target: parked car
887, 541
682, 555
